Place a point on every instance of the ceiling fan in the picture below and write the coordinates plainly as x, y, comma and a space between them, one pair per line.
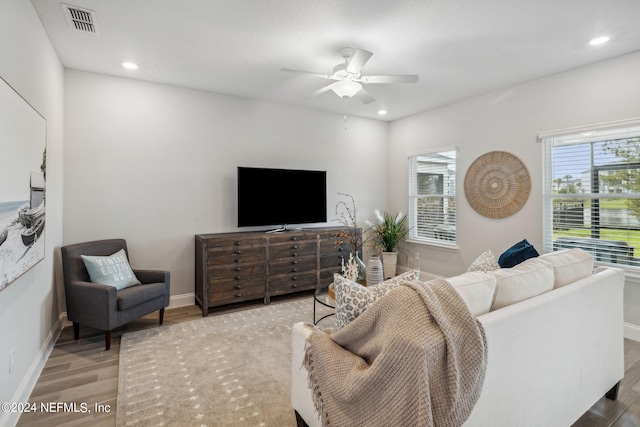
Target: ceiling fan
347, 78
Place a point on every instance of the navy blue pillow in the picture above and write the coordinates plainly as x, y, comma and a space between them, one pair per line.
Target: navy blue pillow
517, 253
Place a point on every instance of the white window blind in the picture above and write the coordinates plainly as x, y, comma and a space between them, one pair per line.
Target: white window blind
591, 192
432, 197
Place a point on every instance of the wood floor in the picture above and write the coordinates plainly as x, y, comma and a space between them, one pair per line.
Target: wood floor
83, 372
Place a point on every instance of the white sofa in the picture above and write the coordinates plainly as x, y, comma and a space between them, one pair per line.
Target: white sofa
550, 357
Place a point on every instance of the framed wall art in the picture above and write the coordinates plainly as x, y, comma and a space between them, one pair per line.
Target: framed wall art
22, 185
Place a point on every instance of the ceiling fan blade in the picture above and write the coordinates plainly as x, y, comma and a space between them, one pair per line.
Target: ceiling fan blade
390, 79
359, 58
289, 70
363, 96
319, 91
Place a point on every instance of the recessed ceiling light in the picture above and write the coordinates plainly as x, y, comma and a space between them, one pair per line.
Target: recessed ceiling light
599, 40
130, 65
382, 112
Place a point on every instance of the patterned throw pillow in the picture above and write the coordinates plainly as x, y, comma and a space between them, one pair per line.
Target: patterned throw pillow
352, 298
113, 270
485, 262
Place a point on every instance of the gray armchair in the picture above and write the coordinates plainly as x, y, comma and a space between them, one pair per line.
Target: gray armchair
101, 306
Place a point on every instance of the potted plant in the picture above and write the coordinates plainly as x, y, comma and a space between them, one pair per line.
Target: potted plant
386, 236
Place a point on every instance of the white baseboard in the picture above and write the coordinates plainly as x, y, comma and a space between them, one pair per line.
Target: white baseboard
632, 331
30, 379
182, 300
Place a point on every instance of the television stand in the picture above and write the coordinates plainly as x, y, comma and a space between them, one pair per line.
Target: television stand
242, 266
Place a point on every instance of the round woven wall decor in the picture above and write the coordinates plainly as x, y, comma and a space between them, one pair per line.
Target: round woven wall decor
497, 184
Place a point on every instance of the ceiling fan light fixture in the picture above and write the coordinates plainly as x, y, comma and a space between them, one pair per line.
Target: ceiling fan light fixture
346, 88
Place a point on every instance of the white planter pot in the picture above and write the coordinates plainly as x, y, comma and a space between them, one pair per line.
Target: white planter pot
389, 261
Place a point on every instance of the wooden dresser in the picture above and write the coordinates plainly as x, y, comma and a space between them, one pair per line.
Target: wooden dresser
236, 267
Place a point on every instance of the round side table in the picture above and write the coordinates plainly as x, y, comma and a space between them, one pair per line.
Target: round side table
321, 296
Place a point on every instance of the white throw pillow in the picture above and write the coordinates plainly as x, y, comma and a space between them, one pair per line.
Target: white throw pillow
526, 280
569, 265
352, 298
112, 270
485, 262
476, 289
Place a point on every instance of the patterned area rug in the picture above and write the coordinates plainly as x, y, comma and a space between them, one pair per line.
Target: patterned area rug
226, 370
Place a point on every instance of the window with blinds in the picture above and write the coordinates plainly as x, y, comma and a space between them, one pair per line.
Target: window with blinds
432, 197
591, 192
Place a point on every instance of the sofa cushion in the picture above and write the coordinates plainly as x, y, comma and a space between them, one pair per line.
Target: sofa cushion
112, 270
485, 262
476, 289
135, 295
569, 265
352, 298
521, 251
526, 280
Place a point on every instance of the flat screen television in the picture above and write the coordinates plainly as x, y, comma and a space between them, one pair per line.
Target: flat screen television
281, 197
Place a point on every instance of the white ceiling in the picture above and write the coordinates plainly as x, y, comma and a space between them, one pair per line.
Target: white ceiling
459, 48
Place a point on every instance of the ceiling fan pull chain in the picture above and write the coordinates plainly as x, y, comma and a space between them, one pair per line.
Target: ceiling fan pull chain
345, 113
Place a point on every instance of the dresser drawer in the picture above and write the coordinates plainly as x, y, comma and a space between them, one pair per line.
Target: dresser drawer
237, 272
229, 255
293, 265
236, 291
333, 260
293, 249
235, 242
326, 275
297, 237
292, 282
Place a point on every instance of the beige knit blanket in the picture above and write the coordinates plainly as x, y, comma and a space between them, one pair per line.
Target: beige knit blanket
417, 357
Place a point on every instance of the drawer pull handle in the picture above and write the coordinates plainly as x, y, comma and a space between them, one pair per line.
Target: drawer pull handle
295, 285
238, 260
294, 270
238, 243
238, 295
294, 254
238, 268
294, 278
294, 247
295, 261
238, 252
238, 277
294, 238
238, 286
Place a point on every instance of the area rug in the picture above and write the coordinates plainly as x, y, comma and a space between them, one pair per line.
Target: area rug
225, 370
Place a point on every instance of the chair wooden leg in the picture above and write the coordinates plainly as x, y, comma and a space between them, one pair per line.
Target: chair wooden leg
161, 315
107, 340
76, 331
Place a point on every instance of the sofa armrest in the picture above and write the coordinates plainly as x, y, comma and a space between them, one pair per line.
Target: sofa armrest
90, 304
301, 397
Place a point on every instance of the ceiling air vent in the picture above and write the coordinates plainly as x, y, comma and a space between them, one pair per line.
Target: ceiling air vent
81, 19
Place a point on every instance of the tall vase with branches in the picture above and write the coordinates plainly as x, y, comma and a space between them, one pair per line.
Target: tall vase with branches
346, 214
386, 236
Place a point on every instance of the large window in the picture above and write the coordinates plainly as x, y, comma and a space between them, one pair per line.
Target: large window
592, 192
432, 197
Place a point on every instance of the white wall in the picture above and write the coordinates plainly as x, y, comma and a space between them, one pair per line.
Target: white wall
510, 120
156, 164
29, 305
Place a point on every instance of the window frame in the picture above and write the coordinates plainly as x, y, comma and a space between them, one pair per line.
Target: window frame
589, 136
449, 192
